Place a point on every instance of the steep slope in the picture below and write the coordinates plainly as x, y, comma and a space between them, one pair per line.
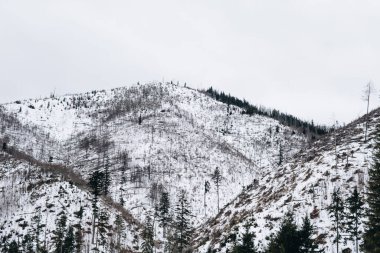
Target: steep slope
304, 185
157, 137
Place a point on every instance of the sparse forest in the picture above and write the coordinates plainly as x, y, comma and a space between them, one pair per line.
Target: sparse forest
165, 168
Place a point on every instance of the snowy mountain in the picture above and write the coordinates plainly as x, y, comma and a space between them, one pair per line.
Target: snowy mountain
303, 185
156, 138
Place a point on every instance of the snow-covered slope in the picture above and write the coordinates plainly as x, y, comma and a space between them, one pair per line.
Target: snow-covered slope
183, 136
156, 138
304, 185
35, 196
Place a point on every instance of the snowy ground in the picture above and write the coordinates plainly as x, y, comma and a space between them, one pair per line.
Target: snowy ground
29, 193
303, 185
183, 136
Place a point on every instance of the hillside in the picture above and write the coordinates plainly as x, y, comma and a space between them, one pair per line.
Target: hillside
157, 138
303, 185
35, 197
157, 151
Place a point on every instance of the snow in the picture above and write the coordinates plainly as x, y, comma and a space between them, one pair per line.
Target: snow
290, 188
27, 192
184, 135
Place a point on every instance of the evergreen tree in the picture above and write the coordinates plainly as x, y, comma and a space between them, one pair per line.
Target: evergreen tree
287, 239
233, 238
120, 226
28, 243
106, 180
78, 233
148, 236
353, 217
247, 245
140, 119
37, 226
183, 230
371, 237
13, 247
336, 210
121, 199
217, 178
207, 189
280, 155
103, 228
69, 242
170, 243
163, 211
59, 233
95, 183
307, 244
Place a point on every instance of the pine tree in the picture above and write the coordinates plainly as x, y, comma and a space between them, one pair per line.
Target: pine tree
217, 178
28, 243
280, 155
13, 247
170, 244
37, 228
69, 242
95, 183
163, 211
121, 199
307, 244
103, 228
148, 236
183, 230
353, 217
287, 238
59, 233
336, 210
207, 189
371, 237
106, 180
120, 226
247, 245
78, 233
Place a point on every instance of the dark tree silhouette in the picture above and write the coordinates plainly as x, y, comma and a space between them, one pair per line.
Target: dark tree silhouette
217, 178
371, 235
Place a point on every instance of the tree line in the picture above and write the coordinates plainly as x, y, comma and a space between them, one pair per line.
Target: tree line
284, 118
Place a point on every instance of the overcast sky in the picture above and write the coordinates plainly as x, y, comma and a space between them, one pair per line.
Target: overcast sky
310, 58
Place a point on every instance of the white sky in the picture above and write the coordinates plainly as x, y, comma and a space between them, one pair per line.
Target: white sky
310, 58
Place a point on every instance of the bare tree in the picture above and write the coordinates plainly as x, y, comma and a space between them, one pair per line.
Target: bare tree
368, 90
